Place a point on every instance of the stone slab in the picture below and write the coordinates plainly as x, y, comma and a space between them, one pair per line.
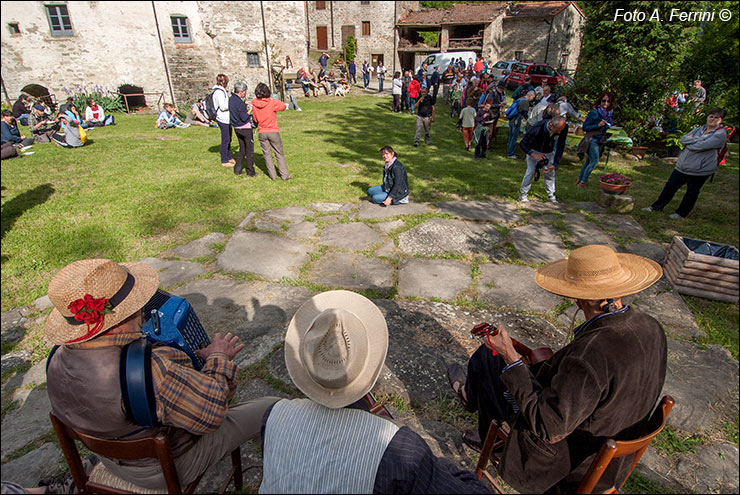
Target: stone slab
622, 225
199, 247
713, 469
257, 312
649, 250
355, 236
352, 271
256, 388
329, 218
14, 359
512, 286
370, 210
331, 207
387, 250
247, 220
439, 236
538, 243
615, 203
42, 303
302, 230
268, 226
269, 255
581, 232
498, 212
38, 464
704, 384
290, 214
540, 219
25, 424
388, 227
443, 279
590, 207
542, 207
670, 309
175, 272
12, 326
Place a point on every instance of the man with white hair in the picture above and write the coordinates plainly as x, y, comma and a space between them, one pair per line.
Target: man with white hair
539, 143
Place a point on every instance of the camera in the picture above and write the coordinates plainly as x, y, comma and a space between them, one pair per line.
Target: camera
540, 165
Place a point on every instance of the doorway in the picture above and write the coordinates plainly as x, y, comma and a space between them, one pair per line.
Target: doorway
377, 59
322, 40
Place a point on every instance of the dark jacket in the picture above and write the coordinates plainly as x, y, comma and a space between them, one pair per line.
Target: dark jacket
19, 108
395, 181
352, 68
238, 111
483, 115
602, 385
522, 90
591, 124
434, 78
10, 134
538, 138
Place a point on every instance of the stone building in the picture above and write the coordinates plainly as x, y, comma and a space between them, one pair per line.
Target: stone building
176, 49
548, 32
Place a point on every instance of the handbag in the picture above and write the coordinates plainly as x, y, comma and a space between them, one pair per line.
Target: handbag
83, 133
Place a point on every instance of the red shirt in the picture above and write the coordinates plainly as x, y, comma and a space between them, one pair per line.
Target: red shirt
414, 88
264, 110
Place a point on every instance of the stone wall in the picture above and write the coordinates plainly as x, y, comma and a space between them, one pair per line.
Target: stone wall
566, 36
102, 50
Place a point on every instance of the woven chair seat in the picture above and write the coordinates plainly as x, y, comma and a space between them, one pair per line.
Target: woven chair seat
104, 477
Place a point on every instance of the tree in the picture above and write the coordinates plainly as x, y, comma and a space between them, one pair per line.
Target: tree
350, 49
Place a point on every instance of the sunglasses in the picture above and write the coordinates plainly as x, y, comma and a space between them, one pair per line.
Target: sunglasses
605, 100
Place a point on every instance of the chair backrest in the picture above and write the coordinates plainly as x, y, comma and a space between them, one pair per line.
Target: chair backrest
156, 447
615, 449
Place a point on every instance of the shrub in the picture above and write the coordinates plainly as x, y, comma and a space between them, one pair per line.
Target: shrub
104, 97
350, 48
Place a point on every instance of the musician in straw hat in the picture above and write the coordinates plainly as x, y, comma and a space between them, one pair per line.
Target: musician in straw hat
335, 348
603, 384
97, 310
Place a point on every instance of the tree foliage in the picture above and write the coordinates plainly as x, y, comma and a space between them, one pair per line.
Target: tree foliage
350, 48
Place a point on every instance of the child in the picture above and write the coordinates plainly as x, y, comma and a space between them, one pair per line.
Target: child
456, 97
467, 119
167, 118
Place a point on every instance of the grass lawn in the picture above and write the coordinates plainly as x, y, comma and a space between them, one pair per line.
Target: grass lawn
134, 191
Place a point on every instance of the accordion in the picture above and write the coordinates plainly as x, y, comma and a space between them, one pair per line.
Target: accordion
171, 320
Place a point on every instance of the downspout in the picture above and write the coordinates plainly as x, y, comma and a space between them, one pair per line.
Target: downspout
308, 30
267, 51
395, 33
164, 56
331, 14
7, 97
547, 47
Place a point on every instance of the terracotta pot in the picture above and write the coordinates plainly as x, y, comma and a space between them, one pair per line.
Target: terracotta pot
639, 151
614, 188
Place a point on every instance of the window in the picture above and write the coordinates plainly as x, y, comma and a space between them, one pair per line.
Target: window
519, 68
518, 55
500, 65
365, 3
320, 5
253, 59
180, 29
429, 60
59, 20
546, 70
14, 28
564, 61
366, 28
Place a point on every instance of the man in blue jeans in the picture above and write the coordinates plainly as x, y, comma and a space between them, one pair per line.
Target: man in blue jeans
516, 121
395, 187
365, 74
539, 144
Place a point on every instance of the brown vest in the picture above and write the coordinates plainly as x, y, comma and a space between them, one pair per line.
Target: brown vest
85, 393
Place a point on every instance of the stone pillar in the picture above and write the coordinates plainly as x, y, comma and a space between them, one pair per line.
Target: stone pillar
617, 203
444, 42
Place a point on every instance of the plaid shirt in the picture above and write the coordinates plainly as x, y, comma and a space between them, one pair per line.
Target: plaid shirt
196, 401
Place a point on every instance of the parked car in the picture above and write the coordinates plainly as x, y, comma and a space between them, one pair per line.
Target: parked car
501, 69
537, 71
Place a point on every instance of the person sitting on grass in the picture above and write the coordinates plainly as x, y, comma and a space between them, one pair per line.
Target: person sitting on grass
10, 132
40, 125
395, 187
467, 122
95, 116
167, 118
197, 115
71, 137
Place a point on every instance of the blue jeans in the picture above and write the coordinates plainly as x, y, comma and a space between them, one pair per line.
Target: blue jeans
352, 78
225, 147
380, 84
377, 195
529, 176
412, 100
592, 159
366, 80
514, 126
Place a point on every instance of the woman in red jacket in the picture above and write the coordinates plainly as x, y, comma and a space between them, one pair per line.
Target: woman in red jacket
414, 89
264, 111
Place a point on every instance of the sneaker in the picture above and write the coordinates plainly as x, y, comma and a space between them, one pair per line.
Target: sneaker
675, 216
26, 148
522, 199
299, 109
28, 153
647, 208
513, 157
553, 200
416, 143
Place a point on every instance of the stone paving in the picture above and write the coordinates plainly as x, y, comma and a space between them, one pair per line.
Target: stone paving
434, 271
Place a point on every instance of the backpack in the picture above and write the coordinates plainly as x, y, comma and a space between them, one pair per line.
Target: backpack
209, 107
513, 110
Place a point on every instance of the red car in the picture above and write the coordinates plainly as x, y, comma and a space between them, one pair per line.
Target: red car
538, 72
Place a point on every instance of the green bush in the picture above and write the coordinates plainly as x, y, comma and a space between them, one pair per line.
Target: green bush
104, 97
350, 49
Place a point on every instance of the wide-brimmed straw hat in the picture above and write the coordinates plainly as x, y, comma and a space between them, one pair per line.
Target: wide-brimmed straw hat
335, 347
597, 272
83, 285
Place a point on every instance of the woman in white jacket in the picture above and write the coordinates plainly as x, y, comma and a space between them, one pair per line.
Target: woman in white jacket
223, 118
396, 91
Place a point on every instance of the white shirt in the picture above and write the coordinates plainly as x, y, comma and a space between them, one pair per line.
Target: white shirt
221, 102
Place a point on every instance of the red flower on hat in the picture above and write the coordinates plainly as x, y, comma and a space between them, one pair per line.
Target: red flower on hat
91, 311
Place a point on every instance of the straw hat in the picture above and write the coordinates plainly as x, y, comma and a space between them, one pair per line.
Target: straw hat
335, 347
597, 272
127, 286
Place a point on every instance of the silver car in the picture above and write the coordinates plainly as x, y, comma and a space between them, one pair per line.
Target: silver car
501, 70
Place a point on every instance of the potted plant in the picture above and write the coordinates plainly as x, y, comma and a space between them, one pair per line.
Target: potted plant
614, 183
641, 136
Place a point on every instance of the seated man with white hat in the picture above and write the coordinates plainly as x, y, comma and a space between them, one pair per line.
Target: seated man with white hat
603, 384
335, 348
97, 311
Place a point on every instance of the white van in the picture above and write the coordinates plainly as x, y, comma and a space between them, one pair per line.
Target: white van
444, 59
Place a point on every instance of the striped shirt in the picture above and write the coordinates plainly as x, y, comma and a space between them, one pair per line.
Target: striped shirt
196, 401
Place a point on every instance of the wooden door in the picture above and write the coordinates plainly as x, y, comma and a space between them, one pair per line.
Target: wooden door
347, 31
377, 59
321, 38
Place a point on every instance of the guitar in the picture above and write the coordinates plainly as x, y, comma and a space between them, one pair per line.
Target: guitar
529, 356
376, 407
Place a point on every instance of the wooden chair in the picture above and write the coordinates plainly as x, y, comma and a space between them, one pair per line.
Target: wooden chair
157, 447
611, 449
